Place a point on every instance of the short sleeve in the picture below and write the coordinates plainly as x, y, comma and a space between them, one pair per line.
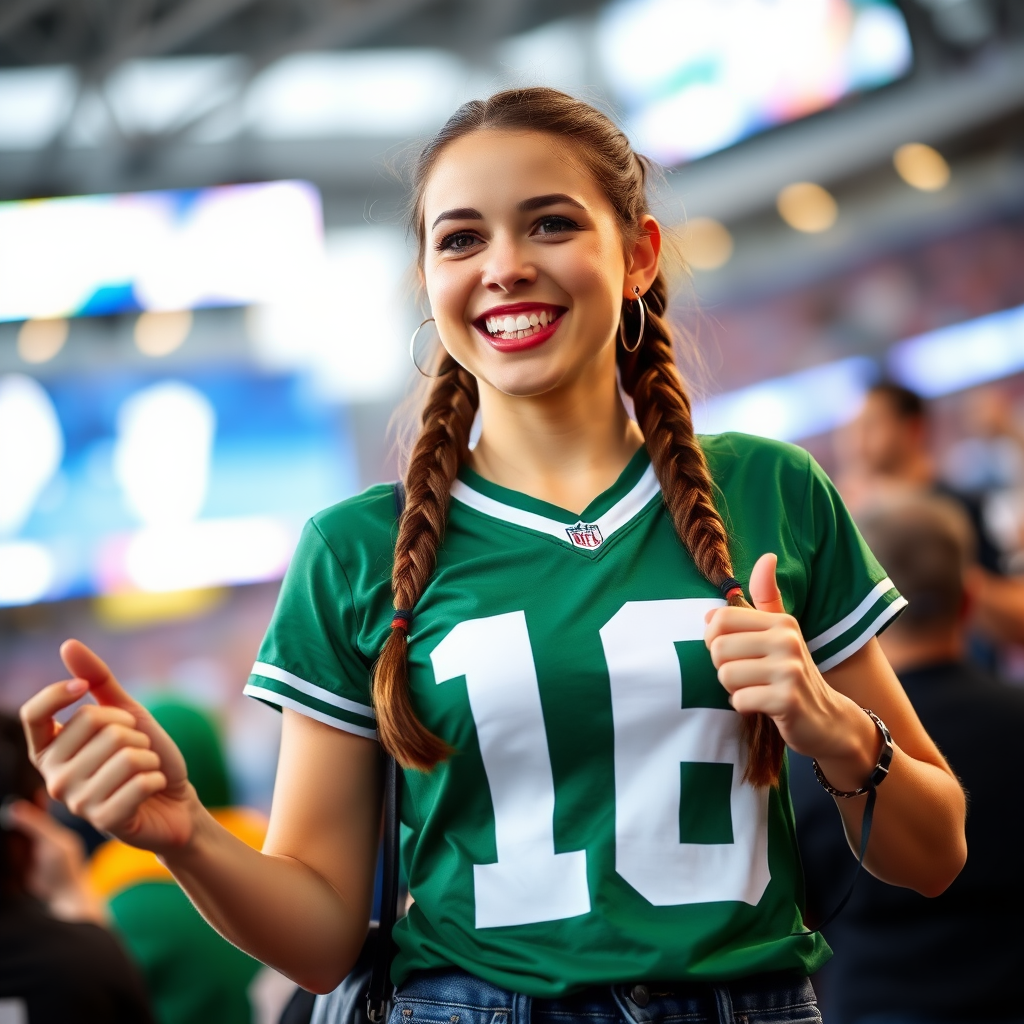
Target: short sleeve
309, 660
850, 598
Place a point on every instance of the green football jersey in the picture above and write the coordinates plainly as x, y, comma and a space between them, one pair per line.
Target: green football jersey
593, 825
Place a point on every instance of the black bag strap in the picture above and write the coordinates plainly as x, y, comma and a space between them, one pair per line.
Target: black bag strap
377, 994
865, 834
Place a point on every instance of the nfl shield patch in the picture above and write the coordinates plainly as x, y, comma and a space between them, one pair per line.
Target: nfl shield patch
585, 535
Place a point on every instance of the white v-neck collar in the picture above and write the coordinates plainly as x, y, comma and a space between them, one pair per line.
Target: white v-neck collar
625, 509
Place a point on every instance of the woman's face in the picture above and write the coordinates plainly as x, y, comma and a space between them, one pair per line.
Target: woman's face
524, 262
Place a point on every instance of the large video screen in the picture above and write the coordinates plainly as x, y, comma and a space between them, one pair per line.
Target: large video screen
127, 481
695, 76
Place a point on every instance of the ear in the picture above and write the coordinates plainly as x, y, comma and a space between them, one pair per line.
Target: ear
642, 259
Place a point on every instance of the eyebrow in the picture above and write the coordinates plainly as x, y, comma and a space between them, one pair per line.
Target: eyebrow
534, 203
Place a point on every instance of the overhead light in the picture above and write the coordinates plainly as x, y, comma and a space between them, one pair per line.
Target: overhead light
807, 207
159, 334
707, 243
40, 340
375, 92
921, 166
33, 104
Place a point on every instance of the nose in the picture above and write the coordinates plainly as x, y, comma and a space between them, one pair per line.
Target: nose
506, 266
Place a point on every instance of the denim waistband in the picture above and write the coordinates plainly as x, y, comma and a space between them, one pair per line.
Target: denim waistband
456, 997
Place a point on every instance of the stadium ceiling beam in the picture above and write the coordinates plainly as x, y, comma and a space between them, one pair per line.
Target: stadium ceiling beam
181, 25
338, 25
848, 141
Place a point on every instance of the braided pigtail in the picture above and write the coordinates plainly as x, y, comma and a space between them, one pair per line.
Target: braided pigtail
440, 449
650, 376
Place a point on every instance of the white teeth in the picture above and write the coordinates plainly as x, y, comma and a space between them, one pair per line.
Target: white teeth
521, 326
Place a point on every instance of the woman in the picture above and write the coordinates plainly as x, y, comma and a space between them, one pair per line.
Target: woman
586, 811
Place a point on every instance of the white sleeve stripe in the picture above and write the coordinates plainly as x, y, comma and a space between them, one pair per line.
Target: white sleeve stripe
261, 668
850, 620
273, 697
887, 613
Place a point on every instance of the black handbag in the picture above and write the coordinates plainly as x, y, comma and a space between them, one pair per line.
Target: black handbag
365, 993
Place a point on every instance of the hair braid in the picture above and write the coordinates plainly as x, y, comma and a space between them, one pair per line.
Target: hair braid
651, 378
440, 449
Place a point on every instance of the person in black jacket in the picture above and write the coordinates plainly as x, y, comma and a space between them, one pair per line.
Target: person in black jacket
900, 957
58, 964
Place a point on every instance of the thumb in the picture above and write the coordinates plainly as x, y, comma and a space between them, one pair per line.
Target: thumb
83, 663
764, 590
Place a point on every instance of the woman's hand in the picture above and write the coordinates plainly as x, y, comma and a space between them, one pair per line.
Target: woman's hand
111, 763
764, 664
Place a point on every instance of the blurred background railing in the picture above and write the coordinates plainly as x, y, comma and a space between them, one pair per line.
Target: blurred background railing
206, 342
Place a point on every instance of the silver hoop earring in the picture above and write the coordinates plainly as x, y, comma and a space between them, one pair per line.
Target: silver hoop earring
643, 323
412, 347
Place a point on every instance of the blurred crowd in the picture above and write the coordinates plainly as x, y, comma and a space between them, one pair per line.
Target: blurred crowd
945, 520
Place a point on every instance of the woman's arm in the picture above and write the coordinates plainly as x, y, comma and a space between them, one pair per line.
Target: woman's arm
917, 839
303, 904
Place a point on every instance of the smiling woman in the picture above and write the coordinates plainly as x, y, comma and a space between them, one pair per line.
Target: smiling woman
590, 715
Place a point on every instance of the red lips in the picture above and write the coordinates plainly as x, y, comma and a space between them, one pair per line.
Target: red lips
520, 337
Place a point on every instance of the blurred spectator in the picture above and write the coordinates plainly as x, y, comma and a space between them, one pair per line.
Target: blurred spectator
887, 455
988, 464
193, 974
900, 957
58, 965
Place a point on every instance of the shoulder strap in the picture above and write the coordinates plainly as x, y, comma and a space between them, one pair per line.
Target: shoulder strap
865, 834
376, 997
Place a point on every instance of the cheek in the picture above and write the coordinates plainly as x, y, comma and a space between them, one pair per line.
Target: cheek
447, 292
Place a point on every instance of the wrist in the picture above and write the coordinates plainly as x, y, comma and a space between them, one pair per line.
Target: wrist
854, 752
179, 856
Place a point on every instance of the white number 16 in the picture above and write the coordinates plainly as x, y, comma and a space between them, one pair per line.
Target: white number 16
654, 734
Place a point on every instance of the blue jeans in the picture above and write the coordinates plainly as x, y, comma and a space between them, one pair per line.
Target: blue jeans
455, 997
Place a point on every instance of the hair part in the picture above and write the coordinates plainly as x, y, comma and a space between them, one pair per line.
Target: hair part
649, 376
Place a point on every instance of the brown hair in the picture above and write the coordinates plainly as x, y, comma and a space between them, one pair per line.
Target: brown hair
649, 376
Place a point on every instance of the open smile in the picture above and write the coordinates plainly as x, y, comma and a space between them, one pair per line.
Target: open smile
519, 325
